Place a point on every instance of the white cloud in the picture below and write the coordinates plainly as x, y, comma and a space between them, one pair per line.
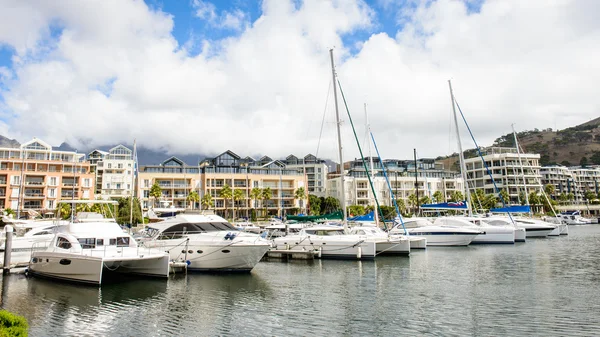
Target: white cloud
116, 73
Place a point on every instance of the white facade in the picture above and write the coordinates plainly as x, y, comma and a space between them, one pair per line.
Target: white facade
576, 180
114, 172
507, 171
315, 172
358, 190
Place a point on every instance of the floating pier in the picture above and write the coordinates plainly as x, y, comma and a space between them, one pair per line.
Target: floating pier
289, 254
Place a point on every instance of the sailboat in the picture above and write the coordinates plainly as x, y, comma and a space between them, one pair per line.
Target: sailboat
331, 241
492, 234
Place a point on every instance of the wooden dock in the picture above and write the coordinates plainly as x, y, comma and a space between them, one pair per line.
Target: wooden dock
289, 254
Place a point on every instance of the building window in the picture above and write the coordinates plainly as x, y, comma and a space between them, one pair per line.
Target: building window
118, 186
120, 166
146, 183
108, 185
109, 165
53, 181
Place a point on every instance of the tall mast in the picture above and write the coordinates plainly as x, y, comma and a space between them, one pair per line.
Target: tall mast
521, 164
339, 136
132, 185
463, 167
371, 163
416, 181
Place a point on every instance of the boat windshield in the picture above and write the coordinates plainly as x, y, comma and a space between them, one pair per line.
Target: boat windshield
416, 223
325, 232
203, 227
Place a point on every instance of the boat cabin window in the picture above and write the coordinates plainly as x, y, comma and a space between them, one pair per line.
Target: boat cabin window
43, 233
63, 243
323, 232
87, 243
122, 241
112, 242
99, 242
203, 227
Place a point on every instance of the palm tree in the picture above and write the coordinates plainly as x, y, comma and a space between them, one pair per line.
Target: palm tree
207, 201
412, 201
193, 198
438, 196
255, 194
300, 194
505, 196
155, 192
64, 211
237, 196
266, 195
550, 189
226, 193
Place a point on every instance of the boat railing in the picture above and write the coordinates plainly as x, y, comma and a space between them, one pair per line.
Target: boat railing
94, 251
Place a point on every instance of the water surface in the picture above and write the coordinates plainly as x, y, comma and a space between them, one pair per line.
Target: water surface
545, 287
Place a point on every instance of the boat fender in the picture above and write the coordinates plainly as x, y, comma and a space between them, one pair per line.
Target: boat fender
188, 262
227, 236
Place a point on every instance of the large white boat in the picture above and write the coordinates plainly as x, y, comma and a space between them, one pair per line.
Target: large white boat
519, 233
437, 235
330, 242
532, 228
206, 243
385, 244
493, 234
86, 250
573, 218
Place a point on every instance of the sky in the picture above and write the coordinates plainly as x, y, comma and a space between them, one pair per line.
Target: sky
254, 77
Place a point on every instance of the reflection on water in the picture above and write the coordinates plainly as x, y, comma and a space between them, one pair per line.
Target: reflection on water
542, 287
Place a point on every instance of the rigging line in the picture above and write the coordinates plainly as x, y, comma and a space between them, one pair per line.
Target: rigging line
484, 163
361, 155
322, 121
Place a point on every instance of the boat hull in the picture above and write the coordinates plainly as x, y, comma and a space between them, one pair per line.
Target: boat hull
393, 247
500, 235
215, 257
90, 269
520, 235
330, 248
444, 238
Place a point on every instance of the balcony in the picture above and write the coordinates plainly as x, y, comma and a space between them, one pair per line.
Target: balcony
70, 184
2, 181
34, 183
69, 195
33, 195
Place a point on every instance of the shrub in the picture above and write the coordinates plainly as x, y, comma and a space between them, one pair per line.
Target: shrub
12, 325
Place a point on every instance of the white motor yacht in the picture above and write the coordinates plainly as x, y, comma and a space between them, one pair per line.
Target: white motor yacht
206, 243
278, 230
85, 251
493, 234
330, 242
519, 233
385, 244
437, 235
573, 218
246, 226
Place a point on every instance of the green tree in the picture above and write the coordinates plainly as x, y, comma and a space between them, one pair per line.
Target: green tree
438, 196
522, 198
300, 194
583, 162
238, 195
207, 201
550, 189
193, 198
124, 211
266, 195
226, 193
425, 200
504, 196
534, 200
570, 196
412, 201
314, 203
388, 212
401, 206
9, 211
457, 196
331, 205
355, 210
490, 201
589, 196
64, 211
255, 194
155, 192
477, 199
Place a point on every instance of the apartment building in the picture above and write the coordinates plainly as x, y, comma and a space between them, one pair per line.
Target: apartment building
575, 180
430, 178
177, 180
315, 171
36, 177
114, 170
509, 172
